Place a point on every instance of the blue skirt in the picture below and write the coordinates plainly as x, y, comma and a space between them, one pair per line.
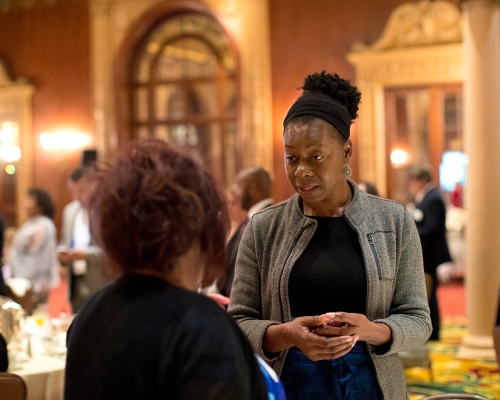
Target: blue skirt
351, 377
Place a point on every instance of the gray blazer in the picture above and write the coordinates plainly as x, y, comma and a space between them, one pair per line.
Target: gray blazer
276, 237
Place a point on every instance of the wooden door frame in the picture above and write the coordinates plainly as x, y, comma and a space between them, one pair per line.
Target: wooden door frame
435, 124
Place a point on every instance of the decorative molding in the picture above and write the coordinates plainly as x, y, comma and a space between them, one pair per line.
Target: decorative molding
420, 45
423, 23
437, 64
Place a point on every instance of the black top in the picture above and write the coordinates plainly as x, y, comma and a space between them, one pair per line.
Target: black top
142, 338
330, 274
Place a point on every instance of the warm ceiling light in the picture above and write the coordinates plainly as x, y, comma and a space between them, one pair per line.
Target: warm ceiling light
64, 140
8, 132
399, 157
10, 153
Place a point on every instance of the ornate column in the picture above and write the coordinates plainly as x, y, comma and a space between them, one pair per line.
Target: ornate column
481, 30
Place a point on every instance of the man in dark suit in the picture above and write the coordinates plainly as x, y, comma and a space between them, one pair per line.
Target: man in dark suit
430, 217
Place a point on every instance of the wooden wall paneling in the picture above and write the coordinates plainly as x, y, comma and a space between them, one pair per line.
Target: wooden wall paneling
48, 45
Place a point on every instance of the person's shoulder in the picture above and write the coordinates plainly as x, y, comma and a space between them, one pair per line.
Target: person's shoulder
381, 203
275, 210
199, 303
71, 207
434, 195
48, 222
202, 314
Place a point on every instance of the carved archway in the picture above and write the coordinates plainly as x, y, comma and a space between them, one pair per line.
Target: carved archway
113, 26
421, 44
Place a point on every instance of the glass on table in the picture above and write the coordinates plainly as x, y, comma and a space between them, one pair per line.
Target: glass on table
41, 316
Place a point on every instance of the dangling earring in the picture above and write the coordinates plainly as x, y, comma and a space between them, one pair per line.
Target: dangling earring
347, 171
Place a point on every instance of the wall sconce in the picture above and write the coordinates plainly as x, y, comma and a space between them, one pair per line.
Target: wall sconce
65, 140
399, 157
9, 141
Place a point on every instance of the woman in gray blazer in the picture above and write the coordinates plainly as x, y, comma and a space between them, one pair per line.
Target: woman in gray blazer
329, 284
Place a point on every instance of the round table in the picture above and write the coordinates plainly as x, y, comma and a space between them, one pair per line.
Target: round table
42, 372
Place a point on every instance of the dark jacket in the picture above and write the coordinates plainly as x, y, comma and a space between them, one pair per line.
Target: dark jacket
141, 338
431, 226
225, 282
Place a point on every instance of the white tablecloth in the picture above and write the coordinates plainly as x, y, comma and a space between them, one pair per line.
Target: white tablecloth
43, 373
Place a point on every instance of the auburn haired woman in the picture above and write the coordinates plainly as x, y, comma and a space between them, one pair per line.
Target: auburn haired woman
162, 222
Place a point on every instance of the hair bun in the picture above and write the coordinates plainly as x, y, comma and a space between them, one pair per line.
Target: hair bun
333, 86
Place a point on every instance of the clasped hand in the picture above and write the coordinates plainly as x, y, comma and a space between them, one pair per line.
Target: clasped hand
311, 336
342, 323
319, 340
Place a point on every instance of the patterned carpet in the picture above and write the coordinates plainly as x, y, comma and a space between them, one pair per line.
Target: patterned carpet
451, 375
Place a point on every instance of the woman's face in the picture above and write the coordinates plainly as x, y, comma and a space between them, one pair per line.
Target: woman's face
314, 159
31, 206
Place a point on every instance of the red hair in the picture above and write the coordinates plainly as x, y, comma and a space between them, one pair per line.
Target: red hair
152, 205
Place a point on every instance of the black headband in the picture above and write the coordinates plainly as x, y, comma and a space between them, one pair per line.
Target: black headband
334, 114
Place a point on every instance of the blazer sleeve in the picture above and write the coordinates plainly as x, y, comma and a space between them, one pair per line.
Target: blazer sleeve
246, 301
408, 318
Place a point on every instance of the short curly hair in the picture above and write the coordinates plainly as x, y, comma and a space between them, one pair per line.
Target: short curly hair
330, 88
152, 205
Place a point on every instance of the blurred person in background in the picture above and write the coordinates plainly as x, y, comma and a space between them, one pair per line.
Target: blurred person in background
456, 195
255, 185
429, 214
160, 218
251, 194
368, 187
32, 253
77, 248
238, 218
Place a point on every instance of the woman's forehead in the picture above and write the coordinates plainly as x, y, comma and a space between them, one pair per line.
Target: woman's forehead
309, 135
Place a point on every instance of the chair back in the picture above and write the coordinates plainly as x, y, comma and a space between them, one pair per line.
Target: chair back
455, 396
12, 387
